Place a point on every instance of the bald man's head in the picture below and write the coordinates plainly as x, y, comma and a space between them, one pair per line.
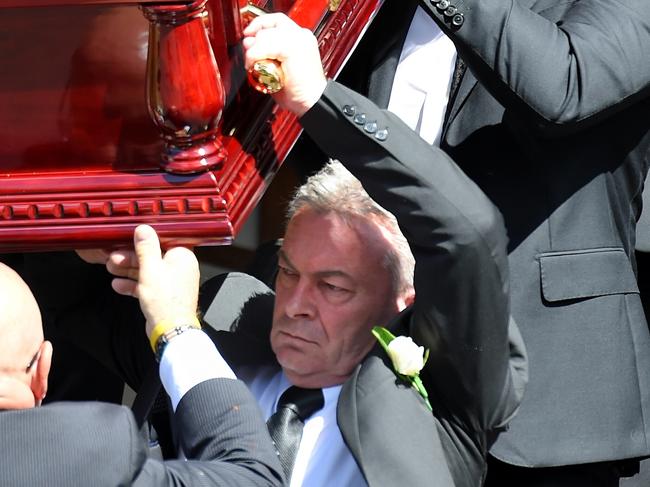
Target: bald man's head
24, 356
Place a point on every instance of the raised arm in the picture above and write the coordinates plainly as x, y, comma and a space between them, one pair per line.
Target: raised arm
457, 237
455, 233
221, 430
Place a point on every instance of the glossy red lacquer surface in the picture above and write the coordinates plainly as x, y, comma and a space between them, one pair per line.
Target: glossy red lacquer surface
81, 159
61, 3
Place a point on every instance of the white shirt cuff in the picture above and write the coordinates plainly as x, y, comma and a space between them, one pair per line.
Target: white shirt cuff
189, 359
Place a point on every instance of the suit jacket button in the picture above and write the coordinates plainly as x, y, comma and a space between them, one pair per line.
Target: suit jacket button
457, 20
349, 110
381, 135
360, 118
443, 4
450, 11
370, 127
434, 2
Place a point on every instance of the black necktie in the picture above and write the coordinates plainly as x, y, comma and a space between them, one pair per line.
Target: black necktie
457, 76
285, 425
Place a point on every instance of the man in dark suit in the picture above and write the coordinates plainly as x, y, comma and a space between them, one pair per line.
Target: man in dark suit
220, 429
345, 267
548, 114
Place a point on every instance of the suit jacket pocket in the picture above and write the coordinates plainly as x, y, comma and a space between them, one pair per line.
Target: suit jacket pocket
586, 273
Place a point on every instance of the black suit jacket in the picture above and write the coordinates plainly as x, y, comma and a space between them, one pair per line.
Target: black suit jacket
477, 368
82, 444
476, 372
551, 121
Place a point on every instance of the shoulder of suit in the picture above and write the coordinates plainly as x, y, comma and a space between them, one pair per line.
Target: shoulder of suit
71, 444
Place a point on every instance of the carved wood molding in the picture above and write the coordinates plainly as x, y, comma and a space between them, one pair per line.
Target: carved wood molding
109, 208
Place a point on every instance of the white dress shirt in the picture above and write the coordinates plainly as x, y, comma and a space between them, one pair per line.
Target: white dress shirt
423, 78
189, 359
323, 458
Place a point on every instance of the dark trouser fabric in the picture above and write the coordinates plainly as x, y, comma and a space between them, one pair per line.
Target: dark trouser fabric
605, 474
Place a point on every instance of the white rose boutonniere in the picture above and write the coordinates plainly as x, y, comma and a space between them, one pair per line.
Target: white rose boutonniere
407, 357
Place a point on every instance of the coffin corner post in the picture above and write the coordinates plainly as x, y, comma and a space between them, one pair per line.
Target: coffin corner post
184, 92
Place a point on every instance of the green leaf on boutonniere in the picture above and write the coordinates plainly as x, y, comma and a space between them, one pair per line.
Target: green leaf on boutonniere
419, 386
383, 336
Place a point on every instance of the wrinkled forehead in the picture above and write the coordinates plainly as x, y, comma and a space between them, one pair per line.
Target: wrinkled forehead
330, 239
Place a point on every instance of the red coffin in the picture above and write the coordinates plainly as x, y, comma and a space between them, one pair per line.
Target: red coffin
114, 114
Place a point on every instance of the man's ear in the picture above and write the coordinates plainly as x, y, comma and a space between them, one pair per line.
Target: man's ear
41, 372
406, 300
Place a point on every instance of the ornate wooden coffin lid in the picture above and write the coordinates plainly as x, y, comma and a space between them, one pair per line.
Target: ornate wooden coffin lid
114, 114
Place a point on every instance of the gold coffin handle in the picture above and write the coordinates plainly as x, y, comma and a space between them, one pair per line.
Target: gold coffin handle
265, 75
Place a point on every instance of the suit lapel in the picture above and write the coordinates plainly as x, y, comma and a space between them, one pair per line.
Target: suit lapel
457, 97
385, 424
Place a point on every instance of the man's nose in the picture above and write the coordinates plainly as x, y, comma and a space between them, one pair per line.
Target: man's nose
300, 303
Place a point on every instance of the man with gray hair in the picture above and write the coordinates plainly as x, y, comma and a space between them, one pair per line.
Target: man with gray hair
345, 267
342, 408
339, 409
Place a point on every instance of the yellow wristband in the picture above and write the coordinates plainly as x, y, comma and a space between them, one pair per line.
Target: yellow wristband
164, 326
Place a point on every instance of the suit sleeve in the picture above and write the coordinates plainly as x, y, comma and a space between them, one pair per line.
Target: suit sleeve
457, 236
224, 439
568, 63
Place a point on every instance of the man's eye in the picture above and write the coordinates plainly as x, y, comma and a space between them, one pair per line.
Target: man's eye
286, 271
333, 288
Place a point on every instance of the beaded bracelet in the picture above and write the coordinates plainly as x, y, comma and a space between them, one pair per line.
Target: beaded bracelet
165, 330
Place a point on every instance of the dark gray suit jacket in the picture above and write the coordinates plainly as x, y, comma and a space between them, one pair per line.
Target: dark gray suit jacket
477, 368
551, 121
98, 444
477, 371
